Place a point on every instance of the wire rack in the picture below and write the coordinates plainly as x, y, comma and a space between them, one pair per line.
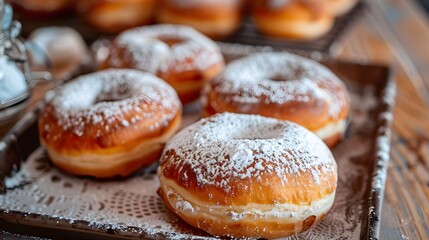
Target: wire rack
247, 33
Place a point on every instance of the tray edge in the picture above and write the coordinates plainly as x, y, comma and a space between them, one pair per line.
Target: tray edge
382, 157
379, 173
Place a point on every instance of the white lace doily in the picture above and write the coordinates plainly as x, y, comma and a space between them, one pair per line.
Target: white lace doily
132, 207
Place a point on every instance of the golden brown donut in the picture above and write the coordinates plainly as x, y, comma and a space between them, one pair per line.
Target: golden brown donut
42, 8
340, 7
296, 19
178, 54
109, 123
283, 86
215, 19
114, 16
242, 175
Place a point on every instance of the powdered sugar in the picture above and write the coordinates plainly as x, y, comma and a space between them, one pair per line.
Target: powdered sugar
278, 78
145, 48
113, 99
181, 203
228, 146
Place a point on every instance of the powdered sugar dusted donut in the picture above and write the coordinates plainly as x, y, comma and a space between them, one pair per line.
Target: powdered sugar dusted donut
248, 176
283, 86
109, 123
178, 54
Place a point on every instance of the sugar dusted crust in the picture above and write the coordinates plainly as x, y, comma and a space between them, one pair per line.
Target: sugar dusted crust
108, 114
247, 167
310, 94
149, 52
177, 54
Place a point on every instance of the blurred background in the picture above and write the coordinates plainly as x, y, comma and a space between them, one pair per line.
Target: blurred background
425, 4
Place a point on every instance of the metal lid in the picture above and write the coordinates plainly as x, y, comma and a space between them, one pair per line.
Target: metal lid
14, 70
13, 85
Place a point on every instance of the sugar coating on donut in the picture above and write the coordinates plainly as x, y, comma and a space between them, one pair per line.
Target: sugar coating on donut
228, 146
247, 80
147, 50
105, 99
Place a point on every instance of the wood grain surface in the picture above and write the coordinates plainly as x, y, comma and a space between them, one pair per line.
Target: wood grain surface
396, 32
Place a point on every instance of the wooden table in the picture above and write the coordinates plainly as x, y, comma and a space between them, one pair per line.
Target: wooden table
396, 32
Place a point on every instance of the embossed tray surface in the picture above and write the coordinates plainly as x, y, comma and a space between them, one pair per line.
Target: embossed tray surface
40, 200
246, 34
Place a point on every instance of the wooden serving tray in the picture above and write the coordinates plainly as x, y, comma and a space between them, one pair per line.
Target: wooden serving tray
39, 200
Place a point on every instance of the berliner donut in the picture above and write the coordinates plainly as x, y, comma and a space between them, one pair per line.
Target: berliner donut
178, 54
114, 16
283, 86
215, 19
340, 7
248, 176
296, 19
109, 123
42, 8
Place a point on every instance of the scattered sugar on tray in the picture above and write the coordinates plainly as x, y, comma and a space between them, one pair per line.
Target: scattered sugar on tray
383, 144
235, 146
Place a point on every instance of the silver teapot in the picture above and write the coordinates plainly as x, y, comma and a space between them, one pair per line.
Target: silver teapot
15, 76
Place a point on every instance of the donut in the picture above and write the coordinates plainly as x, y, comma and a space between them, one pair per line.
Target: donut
240, 175
42, 8
214, 18
295, 19
340, 7
283, 86
109, 123
178, 54
114, 16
